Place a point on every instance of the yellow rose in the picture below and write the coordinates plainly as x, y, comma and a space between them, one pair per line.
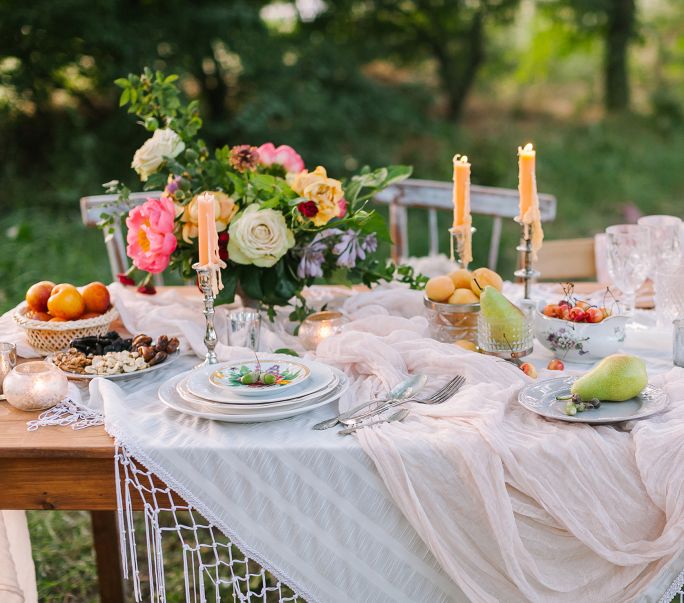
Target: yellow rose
224, 208
325, 192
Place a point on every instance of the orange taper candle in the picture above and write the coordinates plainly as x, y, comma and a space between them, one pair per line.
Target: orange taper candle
206, 222
527, 184
461, 190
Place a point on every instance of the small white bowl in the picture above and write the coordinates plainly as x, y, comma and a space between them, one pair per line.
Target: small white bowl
581, 342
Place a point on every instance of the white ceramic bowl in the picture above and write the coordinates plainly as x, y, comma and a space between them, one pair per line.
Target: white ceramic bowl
582, 342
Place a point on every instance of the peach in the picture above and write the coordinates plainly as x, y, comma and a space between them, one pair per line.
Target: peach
96, 298
35, 315
461, 278
66, 302
439, 288
483, 277
38, 294
463, 296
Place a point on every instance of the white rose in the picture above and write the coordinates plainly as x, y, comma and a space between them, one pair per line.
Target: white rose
164, 143
259, 237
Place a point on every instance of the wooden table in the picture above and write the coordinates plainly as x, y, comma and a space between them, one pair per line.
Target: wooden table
58, 468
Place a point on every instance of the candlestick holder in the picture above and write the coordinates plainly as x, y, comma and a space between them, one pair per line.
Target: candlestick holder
526, 273
206, 277
458, 238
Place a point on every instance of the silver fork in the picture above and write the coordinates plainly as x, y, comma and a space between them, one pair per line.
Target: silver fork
441, 395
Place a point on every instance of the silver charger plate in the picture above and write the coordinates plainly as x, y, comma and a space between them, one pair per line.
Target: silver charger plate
540, 398
120, 376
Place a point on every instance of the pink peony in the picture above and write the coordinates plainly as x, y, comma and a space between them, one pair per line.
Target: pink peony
342, 206
150, 234
283, 155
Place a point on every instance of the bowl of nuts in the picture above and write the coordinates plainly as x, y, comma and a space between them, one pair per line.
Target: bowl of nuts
114, 357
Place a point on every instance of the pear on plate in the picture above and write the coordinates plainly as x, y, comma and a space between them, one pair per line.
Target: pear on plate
506, 321
615, 379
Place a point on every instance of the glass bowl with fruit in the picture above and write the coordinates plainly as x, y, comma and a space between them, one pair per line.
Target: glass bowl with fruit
577, 331
452, 303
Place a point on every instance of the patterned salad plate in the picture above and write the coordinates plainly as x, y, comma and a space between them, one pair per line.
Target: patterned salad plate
284, 374
541, 398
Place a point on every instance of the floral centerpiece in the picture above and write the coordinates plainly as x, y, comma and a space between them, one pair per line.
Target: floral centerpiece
281, 226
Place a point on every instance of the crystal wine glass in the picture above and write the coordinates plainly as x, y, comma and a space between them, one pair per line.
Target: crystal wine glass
629, 260
666, 251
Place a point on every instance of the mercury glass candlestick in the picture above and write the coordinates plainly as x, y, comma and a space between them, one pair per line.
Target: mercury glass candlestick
526, 273
320, 325
206, 277
35, 385
8, 360
678, 343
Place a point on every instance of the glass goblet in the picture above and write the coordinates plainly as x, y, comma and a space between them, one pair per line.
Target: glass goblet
629, 260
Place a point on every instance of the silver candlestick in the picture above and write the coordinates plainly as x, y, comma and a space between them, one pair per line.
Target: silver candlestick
526, 273
457, 241
206, 277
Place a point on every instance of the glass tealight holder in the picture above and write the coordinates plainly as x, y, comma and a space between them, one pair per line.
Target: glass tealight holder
319, 326
8, 360
35, 386
503, 339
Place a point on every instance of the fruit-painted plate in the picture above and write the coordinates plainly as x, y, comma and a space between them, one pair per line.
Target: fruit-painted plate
280, 375
541, 398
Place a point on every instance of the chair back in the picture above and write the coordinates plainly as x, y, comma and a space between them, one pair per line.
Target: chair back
92, 209
567, 260
437, 196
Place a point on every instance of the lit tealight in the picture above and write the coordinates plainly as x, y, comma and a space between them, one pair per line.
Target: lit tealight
35, 386
319, 326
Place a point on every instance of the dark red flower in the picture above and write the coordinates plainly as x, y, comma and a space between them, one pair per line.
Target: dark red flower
124, 279
223, 239
308, 209
147, 289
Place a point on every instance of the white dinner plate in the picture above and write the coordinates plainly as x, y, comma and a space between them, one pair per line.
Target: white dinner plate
198, 384
541, 398
120, 376
289, 373
169, 396
182, 388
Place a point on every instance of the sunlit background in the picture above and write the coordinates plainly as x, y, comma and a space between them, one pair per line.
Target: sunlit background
598, 85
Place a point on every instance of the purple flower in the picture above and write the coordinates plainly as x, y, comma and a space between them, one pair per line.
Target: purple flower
313, 255
350, 248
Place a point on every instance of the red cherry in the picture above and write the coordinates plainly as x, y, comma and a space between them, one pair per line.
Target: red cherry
556, 365
553, 310
594, 315
565, 302
577, 314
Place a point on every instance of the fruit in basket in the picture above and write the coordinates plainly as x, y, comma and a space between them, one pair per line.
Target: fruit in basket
65, 302
37, 296
483, 277
461, 278
506, 321
96, 298
439, 288
57, 319
615, 379
463, 296
34, 315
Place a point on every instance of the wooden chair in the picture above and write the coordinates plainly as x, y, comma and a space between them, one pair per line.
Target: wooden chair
92, 208
436, 196
567, 260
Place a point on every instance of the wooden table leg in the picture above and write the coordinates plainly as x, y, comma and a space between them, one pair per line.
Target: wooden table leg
107, 556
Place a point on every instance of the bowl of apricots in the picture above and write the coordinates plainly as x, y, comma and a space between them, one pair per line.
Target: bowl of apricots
452, 303
52, 315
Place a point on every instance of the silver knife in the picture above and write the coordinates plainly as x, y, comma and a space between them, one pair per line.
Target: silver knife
400, 415
406, 389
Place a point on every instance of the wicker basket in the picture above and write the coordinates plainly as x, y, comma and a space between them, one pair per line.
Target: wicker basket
47, 337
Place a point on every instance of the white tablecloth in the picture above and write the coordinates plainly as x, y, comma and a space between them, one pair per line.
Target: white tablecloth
315, 508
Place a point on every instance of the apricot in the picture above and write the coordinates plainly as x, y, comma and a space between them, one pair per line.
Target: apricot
34, 315
483, 277
463, 296
90, 315
439, 288
461, 278
96, 298
66, 302
38, 294
58, 319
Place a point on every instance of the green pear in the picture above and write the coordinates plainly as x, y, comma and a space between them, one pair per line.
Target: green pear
615, 379
506, 321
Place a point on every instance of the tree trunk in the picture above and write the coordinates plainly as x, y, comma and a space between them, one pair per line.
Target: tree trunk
619, 33
458, 65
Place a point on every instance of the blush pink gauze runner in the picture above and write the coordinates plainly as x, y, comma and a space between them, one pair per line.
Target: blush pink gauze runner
515, 507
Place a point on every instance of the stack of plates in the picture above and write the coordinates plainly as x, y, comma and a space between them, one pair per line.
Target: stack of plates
217, 392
